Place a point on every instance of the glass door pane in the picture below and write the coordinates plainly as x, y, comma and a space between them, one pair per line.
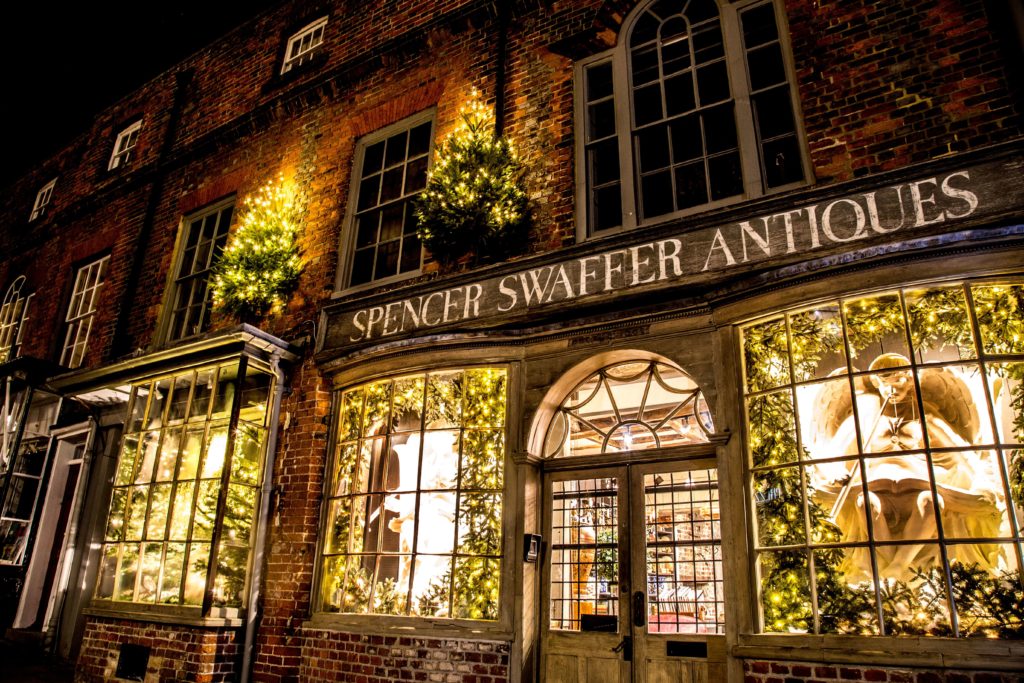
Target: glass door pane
683, 550
584, 555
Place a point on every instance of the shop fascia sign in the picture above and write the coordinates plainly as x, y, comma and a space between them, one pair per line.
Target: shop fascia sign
920, 206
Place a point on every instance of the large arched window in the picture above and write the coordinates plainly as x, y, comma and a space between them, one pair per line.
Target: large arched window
693, 109
634, 405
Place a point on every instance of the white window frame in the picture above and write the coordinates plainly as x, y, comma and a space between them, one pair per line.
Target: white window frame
303, 44
178, 279
42, 200
124, 144
81, 311
735, 58
348, 243
13, 315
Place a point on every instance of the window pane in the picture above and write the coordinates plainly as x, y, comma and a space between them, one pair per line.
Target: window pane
656, 194
607, 209
604, 162
599, 81
584, 551
725, 175
759, 25
713, 83
691, 185
652, 148
601, 119
782, 162
679, 94
766, 66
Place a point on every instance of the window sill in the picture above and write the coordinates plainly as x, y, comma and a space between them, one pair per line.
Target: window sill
160, 614
421, 627
903, 651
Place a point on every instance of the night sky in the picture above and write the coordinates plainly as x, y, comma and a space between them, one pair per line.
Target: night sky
64, 62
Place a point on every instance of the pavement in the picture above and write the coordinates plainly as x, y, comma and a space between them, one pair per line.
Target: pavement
25, 663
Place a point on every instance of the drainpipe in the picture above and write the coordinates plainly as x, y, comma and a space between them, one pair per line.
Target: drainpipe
262, 528
118, 346
499, 80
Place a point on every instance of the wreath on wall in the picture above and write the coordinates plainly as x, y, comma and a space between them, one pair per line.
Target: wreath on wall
475, 203
260, 267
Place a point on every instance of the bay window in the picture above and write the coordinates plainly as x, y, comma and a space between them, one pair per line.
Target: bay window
183, 509
414, 497
884, 436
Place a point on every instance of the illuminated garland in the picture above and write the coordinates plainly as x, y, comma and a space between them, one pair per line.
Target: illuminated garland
260, 266
475, 201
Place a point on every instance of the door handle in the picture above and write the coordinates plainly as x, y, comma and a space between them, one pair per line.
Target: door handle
626, 648
639, 608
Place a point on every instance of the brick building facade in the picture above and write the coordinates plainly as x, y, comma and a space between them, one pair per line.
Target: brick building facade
751, 391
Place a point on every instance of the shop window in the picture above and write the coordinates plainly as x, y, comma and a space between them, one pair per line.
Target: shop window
414, 497
124, 146
630, 406
694, 109
884, 435
82, 311
27, 416
303, 45
13, 315
204, 236
183, 509
391, 170
42, 200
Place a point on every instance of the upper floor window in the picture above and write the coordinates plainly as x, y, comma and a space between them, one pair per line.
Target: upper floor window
82, 311
13, 314
303, 45
694, 109
205, 234
124, 146
42, 200
391, 169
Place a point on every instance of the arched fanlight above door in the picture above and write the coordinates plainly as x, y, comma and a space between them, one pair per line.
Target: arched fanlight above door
629, 406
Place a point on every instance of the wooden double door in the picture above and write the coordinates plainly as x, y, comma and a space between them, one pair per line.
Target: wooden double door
633, 575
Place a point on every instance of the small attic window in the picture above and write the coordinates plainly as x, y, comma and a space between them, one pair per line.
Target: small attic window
303, 44
124, 146
42, 200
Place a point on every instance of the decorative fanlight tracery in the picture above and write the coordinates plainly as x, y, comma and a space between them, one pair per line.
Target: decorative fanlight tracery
630, 406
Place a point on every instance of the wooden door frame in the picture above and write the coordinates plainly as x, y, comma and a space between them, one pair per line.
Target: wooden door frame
625, 466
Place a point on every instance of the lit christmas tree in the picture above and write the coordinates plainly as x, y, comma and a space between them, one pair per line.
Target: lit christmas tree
475, 201
260, 266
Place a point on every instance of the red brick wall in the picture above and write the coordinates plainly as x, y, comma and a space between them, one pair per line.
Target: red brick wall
331, 656
804, 672
177, 653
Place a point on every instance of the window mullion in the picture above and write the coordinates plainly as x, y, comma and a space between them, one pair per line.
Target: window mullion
222, 496
736, 65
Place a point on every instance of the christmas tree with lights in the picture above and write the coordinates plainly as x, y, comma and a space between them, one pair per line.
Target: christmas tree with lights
260, 266
475, 202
